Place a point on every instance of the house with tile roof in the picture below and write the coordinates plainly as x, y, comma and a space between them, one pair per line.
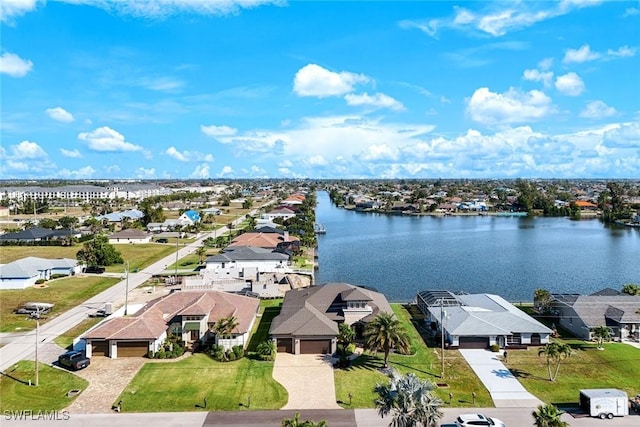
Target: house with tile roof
581, 313
480, 320
309, 317
191, 315
22, 273
266, 240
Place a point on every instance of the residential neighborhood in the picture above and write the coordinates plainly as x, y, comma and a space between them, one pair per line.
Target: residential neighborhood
226, 280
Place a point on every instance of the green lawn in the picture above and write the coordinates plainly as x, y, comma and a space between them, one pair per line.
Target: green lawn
618, 366
183, 385
49, 395
227, 386
65, 293
364, 373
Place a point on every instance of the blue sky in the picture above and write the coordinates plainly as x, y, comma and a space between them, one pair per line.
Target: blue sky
253, 89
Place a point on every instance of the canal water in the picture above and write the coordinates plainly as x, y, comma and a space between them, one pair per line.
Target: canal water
509, 256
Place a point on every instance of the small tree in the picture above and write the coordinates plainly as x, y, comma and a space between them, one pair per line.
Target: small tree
409, 400
548, 416
201, 252
631, 289
601, 334
267, 350
99, 252
555, 353
541, 300
346, 335
296, 422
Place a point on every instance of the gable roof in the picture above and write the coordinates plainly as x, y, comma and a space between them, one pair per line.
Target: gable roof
261, 240
130, 233
192, 215
154, 318
32, 266
33, 233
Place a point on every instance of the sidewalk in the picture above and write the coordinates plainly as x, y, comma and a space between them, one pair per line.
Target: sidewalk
506, 391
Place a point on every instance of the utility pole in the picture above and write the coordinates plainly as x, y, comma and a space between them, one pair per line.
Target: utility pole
442, 335
37, 339
126, 295
175, 277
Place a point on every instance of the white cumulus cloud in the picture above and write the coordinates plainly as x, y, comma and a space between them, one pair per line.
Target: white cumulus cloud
570, 84
74, 154
313, 80
378, 100
144, 173
82, 173
201, 171
106, 139
9, 9
582, 54
546, 77
622, 52
217, 131
512, 106
14, 66
188, 156
225, 171
597, 110
27, 150
60, 114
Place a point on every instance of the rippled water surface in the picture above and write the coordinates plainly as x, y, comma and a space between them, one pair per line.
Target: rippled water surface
509, 256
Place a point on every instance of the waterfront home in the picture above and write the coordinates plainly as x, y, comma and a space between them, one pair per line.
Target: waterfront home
266, 240
27, 271
280, 212
479, 320
245, 262
581, 313
191, 315
309, 317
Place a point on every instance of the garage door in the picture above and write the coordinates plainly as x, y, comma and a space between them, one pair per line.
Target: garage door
315, 346
99, 348
133, 349
285, 345
474, 342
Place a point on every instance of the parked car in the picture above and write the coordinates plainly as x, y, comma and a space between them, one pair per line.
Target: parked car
74, 360
162, 240
93, 269
478, 420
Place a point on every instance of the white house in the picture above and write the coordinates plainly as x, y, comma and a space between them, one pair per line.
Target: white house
25, 272
130, 235
245, 262
281, 212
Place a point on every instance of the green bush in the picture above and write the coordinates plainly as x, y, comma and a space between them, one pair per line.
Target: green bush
495, 348
231, 356
40, 281
150, 354
238, 351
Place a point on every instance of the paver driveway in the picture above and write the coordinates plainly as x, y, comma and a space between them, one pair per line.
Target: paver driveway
308, 379
107, 379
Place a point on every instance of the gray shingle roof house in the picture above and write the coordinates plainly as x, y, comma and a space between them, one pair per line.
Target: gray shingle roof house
309, 317
130, 235
581, 313
25, 272
35, 234
190, 314
480, 320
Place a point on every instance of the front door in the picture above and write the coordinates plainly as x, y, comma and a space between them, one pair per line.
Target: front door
194, 335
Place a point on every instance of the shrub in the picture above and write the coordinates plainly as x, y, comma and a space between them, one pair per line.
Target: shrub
238, 351
40, 281
231, 356
161, 354
495, 348
351, 348
150, 354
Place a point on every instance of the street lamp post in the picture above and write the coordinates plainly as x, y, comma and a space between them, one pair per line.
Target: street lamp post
37, 339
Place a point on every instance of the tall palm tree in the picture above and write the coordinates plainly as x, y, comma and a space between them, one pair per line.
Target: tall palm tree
201, 252
548, 416
409, 400
346, 335
384, 333
555, 353
601, 334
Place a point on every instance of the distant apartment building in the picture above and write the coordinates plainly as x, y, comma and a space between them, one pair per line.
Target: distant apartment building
82, 192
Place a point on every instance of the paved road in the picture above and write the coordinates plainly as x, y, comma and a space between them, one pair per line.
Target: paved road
513, 417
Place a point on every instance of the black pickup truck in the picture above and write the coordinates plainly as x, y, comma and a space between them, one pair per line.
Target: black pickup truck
74, 360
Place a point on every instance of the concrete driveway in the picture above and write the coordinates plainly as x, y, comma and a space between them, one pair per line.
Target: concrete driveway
308, 379
505, 389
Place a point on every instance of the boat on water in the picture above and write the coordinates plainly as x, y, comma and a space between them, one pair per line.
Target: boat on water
319, 228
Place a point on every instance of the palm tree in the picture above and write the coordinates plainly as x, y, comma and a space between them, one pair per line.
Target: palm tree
267, 350
409, 400
225, 326
346, 335
295, 422
201, 252
601, 334
548, 416
555, 353
384, 333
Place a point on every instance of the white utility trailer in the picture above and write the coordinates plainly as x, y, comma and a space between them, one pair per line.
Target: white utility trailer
604, 402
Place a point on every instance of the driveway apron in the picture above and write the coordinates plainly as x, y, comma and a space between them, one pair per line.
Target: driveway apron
308, 379
505, 389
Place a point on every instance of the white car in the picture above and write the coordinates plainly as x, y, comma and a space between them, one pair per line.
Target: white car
464, 420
